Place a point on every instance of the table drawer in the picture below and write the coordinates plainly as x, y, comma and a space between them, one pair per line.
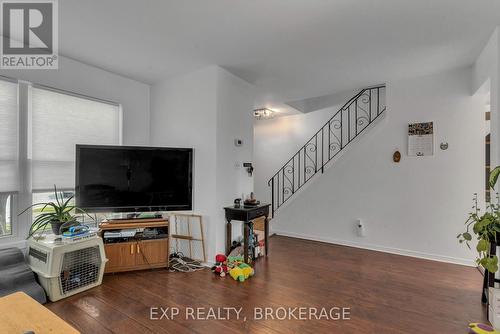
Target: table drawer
258, 213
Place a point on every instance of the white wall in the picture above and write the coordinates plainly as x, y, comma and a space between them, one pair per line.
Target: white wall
235, 98
487, 70
416, 207
207, 110
183, 114
92, 81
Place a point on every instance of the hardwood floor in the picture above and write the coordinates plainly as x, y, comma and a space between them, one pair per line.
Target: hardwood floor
386, 294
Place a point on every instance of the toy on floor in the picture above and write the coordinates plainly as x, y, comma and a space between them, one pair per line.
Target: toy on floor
234, 261
476, 328
220, 268
247, 270
241, 272
237, 274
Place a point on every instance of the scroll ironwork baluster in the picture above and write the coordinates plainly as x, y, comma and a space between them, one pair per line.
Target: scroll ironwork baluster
282, 190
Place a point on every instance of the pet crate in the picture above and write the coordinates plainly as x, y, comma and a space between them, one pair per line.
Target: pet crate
65, 268
494, 307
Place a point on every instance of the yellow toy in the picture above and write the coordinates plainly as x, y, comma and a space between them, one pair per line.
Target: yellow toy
247, 270
476, 328
242, 272
237, 274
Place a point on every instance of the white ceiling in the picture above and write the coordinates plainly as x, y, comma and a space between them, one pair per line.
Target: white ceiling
290, 49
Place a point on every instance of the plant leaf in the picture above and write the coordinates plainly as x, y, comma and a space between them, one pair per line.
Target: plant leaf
494, 177
482, 246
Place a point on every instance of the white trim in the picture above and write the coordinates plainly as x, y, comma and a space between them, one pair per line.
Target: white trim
397, 251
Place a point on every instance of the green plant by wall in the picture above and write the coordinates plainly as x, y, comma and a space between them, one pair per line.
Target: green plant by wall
484, 227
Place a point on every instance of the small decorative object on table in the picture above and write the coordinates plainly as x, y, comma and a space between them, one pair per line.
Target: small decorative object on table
237, 202
252, 201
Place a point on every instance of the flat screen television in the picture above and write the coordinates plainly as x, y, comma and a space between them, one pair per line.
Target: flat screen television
133, 179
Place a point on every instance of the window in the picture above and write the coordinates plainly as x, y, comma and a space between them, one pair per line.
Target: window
9, 175
39, 130
5, 214
60, 122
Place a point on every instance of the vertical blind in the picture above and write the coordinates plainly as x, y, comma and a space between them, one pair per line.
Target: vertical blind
61, 121
9, 175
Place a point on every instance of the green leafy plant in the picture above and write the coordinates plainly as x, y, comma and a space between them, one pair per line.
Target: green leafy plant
485, 227
59, 214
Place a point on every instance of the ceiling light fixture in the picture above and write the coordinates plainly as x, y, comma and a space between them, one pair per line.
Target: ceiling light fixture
263, 113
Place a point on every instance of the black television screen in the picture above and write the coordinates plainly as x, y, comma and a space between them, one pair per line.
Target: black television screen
133, 179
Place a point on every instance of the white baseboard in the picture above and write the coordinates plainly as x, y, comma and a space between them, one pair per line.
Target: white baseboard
397, 251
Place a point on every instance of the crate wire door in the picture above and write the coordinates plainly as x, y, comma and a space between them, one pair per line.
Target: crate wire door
80, 268
188, 236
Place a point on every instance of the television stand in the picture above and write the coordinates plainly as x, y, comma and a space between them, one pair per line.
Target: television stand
145, 248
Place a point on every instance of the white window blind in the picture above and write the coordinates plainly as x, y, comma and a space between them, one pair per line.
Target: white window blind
9, 176
61, 121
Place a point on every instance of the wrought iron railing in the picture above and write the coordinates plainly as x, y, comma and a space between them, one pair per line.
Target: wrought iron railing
340, 130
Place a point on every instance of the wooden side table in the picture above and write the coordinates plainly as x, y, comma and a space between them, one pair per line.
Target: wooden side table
20, 313
246, 214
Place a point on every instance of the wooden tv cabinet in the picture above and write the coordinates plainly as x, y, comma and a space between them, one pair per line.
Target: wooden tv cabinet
135, 254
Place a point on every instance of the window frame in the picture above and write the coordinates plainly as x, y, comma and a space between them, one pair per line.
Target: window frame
13, 209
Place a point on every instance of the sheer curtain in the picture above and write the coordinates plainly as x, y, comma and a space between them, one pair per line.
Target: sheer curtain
59, 122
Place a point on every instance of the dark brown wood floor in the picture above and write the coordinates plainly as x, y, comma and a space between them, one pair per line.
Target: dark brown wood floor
386, 293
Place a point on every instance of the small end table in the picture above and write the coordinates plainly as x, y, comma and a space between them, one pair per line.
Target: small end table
246, 214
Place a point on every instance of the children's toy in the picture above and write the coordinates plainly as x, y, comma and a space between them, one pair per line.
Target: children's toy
237, 274
234, 265
220, 267
476, 328
241, 272
247, 270
221, 270
234, 261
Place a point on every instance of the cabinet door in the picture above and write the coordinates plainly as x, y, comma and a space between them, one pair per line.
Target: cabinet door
121, 256
152, 252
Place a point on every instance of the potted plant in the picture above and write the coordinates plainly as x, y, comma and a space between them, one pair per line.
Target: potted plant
59, 214
485, 228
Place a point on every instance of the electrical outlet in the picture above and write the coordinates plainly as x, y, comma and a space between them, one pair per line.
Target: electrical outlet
360, 228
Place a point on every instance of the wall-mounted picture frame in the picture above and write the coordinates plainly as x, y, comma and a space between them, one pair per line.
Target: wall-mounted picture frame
421, 139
